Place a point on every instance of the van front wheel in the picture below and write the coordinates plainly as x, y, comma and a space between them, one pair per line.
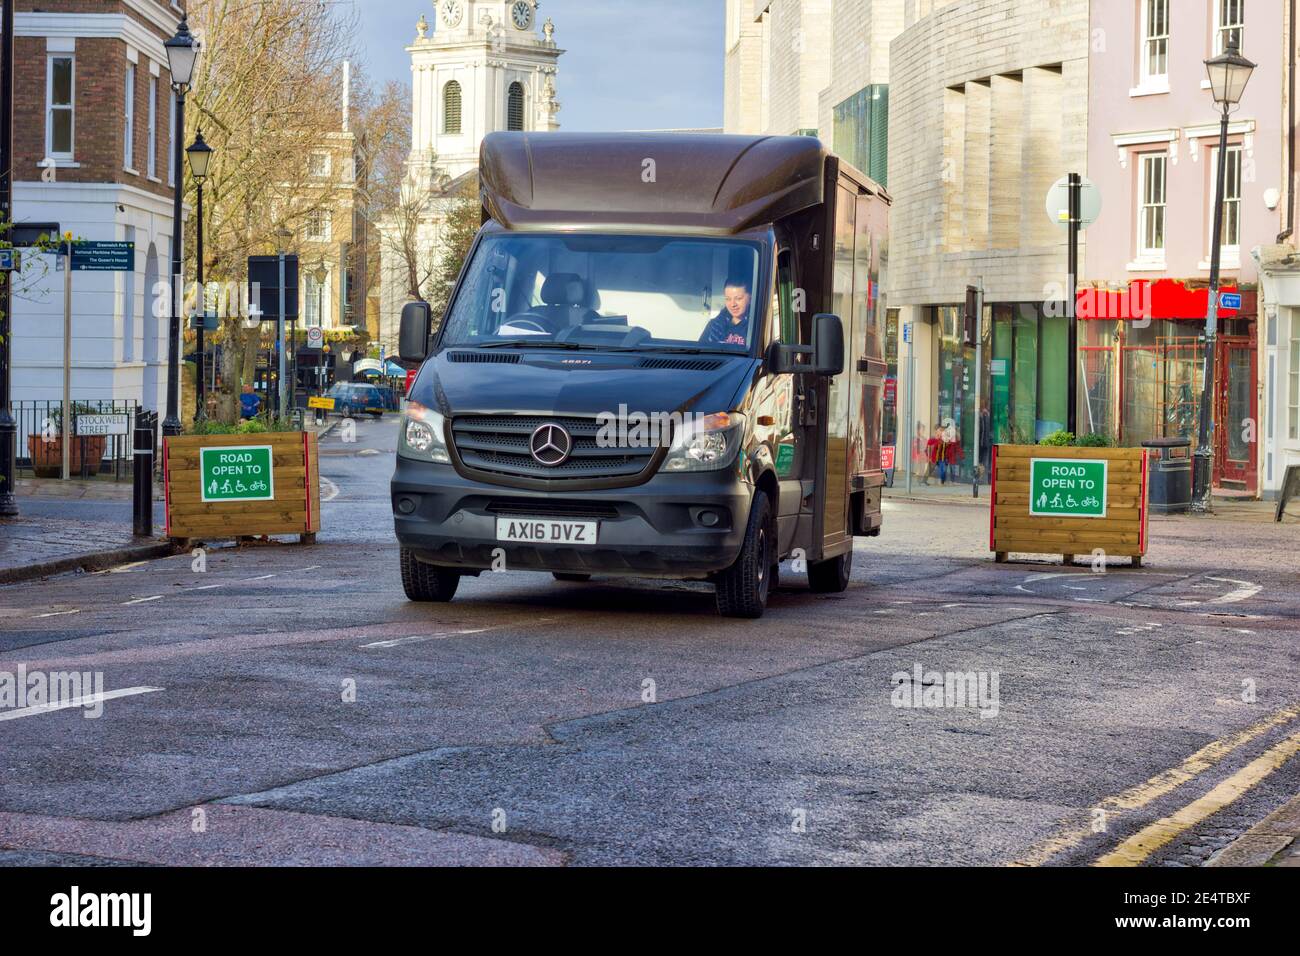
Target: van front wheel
742, 589
424, 582
831, 577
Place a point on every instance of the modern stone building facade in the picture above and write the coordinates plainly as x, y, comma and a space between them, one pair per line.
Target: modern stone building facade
988, 107
776, 65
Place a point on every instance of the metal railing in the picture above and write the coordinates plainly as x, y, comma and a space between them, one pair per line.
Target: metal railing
39, 440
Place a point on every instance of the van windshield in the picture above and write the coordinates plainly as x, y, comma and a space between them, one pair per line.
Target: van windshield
634, 292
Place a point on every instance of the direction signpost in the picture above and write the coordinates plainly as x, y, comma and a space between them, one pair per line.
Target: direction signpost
84, 257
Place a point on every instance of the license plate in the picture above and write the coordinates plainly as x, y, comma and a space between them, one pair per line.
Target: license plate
546, 531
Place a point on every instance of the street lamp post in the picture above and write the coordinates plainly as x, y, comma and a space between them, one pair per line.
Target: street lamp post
200, 156
1229, 73
182, 52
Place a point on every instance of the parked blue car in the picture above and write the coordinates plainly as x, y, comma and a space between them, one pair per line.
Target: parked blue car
355, 398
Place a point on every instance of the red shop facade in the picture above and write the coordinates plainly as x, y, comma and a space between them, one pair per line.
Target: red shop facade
1142, 365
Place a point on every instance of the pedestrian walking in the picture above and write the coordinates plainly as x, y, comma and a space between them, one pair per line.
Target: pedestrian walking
934, 453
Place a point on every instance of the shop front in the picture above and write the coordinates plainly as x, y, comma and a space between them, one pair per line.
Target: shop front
1022, 388
1142, 364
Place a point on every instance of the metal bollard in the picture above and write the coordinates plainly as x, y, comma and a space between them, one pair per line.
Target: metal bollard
143, 463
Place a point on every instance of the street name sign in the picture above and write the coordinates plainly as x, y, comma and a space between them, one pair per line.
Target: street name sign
237, 473
103, 257
1068, 487
113, 424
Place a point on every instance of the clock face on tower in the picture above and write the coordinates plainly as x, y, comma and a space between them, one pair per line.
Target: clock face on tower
452, 11
522, 14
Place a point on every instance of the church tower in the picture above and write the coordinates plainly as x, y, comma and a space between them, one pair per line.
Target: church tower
482, 66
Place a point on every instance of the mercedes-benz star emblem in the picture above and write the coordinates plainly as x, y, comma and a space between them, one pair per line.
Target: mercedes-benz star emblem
551, 445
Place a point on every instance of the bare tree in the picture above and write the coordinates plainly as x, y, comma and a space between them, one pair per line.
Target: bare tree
267, 94
461, 218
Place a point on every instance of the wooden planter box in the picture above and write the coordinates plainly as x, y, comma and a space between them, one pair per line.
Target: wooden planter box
235, 486
1061, 505
47, 456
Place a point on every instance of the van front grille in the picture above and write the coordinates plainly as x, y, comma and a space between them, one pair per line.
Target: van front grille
500, 444
549, 508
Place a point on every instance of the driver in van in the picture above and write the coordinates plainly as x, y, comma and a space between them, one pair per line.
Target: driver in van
731, 325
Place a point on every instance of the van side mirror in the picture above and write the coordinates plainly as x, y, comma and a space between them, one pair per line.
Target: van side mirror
413, 335
824, 357
828, 344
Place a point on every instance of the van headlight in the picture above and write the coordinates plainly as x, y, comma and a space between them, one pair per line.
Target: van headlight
706, 443
421, 435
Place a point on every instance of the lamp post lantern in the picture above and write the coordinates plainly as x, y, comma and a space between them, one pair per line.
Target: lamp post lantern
1229, 72
182, 53
200, 157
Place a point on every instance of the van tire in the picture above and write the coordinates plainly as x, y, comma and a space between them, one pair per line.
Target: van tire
571, 577
831, 577
742, 589
424, 582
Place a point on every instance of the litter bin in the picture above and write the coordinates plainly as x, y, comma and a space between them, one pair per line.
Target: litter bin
1169, 475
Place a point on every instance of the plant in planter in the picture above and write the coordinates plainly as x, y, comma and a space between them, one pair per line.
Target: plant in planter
1064, 439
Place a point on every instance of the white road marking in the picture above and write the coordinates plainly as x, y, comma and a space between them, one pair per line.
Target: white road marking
330, 491
262, 577
1244, 590
202, 587
418, 638
59, 613
143, 600
84, 701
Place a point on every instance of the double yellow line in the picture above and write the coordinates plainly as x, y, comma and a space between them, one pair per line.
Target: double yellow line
1142, 844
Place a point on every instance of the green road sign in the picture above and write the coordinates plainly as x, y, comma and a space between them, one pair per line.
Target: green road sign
103, 257
237, 474
1067, 487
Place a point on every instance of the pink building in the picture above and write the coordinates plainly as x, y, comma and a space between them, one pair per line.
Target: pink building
1153, 136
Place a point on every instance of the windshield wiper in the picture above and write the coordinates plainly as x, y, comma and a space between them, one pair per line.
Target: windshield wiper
548, 344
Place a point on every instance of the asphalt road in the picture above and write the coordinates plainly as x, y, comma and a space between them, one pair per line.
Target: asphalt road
286, 704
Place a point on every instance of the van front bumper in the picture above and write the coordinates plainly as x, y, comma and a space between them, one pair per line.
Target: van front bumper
658, 529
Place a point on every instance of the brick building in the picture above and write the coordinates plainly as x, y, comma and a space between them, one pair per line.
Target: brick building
92, 152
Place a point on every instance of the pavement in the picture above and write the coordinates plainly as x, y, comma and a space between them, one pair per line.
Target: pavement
74, 525
286, 704
81, 524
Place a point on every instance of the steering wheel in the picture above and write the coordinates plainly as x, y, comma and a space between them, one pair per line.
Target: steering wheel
526, 319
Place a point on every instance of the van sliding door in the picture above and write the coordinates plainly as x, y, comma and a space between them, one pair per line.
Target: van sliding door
836, 529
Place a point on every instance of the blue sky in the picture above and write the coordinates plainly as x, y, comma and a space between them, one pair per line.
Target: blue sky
630, 64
